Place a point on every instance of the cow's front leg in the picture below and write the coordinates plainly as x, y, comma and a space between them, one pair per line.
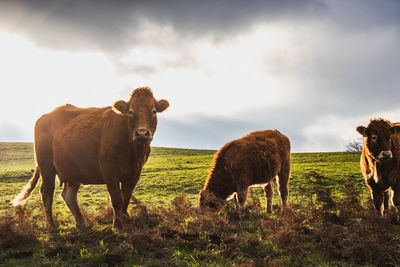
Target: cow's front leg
386, 200
240, 197
377, 196
127, 189
116, 202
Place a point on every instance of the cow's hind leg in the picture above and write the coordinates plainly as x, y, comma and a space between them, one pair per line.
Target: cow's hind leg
69, 194
396, 200
47, 192
269, 194
283, 184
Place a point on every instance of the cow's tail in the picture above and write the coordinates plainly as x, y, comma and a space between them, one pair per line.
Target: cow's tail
20, 199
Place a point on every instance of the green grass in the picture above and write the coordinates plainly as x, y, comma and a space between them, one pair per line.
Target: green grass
168, 174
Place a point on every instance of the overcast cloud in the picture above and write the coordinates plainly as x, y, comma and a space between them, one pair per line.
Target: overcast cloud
313, 69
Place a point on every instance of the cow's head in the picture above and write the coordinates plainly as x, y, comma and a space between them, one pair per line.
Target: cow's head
377, 138
207, 199
141, 110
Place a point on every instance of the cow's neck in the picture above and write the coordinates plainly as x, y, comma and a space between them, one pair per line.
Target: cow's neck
139, 149
221, 184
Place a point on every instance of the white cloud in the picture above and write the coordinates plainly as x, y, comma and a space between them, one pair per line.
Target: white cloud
36, 80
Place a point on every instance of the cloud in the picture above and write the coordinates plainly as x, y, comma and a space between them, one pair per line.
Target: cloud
200, 131
114, 25
337, 71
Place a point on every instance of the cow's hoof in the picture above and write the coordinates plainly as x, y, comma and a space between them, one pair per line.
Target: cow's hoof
84, 226
52, 229
117, 224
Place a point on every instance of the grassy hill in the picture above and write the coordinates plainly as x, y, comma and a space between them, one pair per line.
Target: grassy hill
329, 202
170, 171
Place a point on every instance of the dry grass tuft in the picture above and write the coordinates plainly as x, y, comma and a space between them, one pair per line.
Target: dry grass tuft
16, 230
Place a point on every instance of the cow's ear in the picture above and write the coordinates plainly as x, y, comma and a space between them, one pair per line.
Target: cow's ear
162, 105
362, 130
395, 129
121, 107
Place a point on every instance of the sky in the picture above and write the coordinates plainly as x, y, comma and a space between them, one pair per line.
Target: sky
313, 69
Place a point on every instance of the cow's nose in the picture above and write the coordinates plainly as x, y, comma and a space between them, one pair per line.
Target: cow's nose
388, 154
385, 155
144, 134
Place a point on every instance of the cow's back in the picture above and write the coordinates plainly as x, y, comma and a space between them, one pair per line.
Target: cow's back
261, 153
270, 142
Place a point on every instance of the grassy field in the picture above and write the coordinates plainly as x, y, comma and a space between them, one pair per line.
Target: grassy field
330, 217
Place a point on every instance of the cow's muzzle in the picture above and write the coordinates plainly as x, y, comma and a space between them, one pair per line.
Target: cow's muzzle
143, 135
385, 155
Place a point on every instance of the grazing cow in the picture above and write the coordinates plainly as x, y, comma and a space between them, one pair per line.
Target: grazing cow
380, 162
254, 159
94, 146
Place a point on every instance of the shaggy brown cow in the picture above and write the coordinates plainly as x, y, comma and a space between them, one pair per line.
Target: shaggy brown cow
253, 159
94, 146
380, 162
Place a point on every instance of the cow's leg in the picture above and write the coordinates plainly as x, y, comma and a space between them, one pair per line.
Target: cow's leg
386, 200
241, 196
126, 196
377, 197
283, 183
269, 195
116, 202
396, 200
69, 195
47, 192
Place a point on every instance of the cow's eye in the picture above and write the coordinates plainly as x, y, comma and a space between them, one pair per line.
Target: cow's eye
154, 112
374, 138
131, 112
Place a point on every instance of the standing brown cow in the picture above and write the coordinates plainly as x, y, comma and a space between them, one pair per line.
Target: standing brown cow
380, 162
94, 146
256, 158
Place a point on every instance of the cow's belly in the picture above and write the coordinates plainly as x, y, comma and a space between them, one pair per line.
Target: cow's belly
79, 170
264, 175
260, 180
77, 163
79, 174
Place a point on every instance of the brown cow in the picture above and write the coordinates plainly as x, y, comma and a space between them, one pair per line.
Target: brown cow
94, 146
380, 162
253, 159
